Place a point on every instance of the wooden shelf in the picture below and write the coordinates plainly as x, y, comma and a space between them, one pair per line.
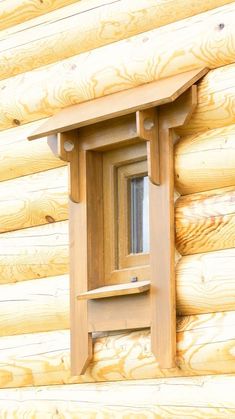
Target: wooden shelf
115, 290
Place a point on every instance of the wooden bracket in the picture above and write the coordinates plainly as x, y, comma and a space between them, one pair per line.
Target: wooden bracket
162, 240
68, 150
179, 112
147, 129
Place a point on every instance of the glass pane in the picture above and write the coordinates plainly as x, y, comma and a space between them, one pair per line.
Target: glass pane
139, 215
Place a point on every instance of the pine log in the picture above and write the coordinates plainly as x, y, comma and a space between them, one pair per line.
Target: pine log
206, 345
19, 157
13, 12
198, 397
205, 283
215, 107
205, 222
201, 41
35, 252
205, 161
34, 200
34, 306
84, 26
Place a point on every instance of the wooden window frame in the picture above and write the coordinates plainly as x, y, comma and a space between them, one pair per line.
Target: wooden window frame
119, 264
82, 134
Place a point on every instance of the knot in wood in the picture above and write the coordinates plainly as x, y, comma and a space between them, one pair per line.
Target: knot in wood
220, 26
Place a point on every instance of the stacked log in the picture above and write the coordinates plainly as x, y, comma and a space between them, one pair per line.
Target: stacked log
28, 158
81, 27
205, 221
205, 284
205, 161
174, 397
34, 302
35, 252
12, 12
205, 345
201, 42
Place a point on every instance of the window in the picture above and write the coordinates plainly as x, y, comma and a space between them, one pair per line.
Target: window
125, 223
120, 150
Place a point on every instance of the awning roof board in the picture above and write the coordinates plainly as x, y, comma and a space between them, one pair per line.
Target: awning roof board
117, 104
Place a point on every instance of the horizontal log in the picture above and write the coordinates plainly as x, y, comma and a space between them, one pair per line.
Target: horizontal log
34, 200
206, 345
205, 161
28, 157
198, 397
35, 252
34, 306
215, 107
205, 222
119, 66
14, 12
205, 283
84, 26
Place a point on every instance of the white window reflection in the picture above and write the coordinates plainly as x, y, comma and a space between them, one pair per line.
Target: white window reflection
139, 215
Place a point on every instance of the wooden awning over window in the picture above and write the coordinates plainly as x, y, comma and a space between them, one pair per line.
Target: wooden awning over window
154, 109
117, 104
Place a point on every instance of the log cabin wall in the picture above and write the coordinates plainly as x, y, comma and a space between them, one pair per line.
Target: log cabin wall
57, 53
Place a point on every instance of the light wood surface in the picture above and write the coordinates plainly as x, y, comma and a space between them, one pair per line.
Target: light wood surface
149, 133
205, 161
28, 157
33, 306
121, 103
211, 214
34, 200
205, 221
115, 290
84, 26
69, 140
14, 12
138, 60
34, 252
215, 101
198, 397
205, 283
205, 346
162, 254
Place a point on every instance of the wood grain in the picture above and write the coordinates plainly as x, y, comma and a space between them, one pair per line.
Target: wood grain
14, 12
205, 222
33, 306
119, 66
84, 26
28, 157
119, 104
206, 282
115, 290
215, 101
205, 346
34, 200
198, 397
34, 252
205, 161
